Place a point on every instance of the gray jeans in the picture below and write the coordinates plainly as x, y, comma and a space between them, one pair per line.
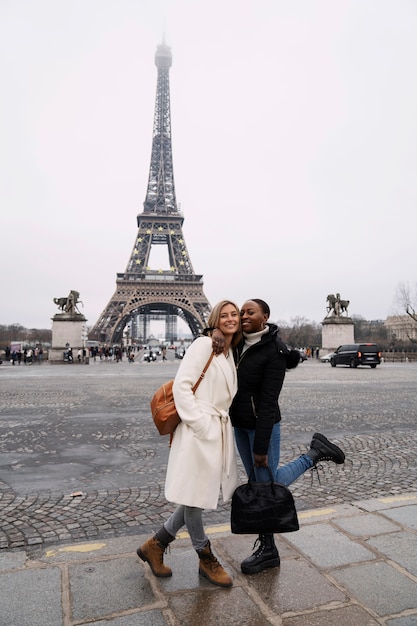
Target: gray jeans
192, 518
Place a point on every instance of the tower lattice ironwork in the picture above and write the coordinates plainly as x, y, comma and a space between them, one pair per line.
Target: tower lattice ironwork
143, 293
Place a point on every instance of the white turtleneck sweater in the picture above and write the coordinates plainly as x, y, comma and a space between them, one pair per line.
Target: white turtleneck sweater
252, 338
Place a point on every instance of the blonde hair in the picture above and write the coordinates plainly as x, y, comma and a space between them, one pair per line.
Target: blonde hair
214, 319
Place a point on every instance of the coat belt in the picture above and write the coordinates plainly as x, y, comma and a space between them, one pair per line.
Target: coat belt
228, 444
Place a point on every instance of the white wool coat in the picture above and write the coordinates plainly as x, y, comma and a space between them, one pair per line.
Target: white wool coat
202, 458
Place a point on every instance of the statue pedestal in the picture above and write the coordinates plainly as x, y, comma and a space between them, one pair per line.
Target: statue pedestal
336, 331
68, 331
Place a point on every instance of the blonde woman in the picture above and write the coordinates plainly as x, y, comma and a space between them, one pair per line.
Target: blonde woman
202, 459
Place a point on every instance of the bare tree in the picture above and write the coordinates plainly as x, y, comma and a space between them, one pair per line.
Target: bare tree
369, 330
407, 299
302, 333
17, 332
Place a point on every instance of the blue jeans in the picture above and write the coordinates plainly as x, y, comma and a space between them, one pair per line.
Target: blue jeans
286, 474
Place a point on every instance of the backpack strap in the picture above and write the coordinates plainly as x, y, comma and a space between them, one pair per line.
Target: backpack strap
203, 373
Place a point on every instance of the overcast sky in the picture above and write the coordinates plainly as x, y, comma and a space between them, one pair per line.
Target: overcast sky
294, 130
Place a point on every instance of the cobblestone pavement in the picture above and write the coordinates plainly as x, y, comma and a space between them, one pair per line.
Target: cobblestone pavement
80, 458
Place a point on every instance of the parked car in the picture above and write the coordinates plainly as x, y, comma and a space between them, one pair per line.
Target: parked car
179, 353
355, 354
327, 357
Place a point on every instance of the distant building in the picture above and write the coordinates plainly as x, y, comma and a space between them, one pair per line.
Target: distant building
401, 328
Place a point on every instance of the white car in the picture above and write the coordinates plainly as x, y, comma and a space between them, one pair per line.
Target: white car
326, 358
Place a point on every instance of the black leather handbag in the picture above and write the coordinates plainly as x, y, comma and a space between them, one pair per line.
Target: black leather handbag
259, 508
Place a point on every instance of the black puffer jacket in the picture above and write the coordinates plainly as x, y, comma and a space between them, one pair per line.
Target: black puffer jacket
261, 372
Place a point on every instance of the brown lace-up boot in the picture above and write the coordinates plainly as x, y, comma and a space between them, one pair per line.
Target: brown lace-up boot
211, 569
152, 552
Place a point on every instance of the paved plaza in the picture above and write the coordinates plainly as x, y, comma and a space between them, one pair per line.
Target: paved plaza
81, 486
81, 458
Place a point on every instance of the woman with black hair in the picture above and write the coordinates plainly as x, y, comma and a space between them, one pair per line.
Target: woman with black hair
262, 360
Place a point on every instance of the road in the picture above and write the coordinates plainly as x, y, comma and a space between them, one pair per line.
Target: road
80, 457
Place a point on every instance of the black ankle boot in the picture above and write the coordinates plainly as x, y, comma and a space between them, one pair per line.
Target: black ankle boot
265, 556
324, 450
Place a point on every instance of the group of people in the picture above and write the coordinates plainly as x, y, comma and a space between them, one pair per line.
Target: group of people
236, 403
106, 353
28, 355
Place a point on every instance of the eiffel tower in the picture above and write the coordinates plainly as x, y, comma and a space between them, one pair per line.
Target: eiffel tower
144, 294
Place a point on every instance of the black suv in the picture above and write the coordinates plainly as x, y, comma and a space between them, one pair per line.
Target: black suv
355, 354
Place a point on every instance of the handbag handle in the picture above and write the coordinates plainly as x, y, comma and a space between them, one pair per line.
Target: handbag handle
203, 373
252, 474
